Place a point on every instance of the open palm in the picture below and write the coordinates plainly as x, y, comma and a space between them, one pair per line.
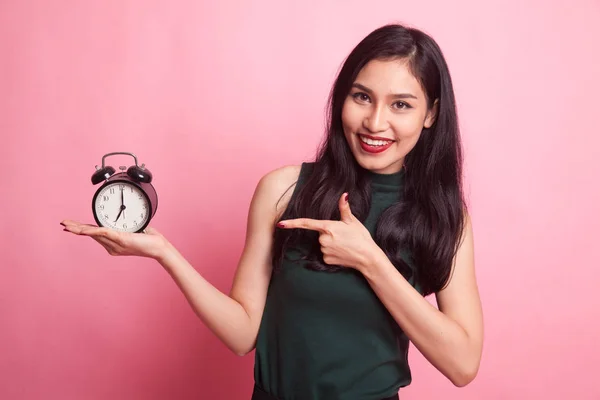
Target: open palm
149, 244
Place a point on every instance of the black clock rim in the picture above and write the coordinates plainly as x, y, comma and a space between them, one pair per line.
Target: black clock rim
119, 180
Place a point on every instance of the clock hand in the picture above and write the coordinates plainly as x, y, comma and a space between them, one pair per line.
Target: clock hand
122, 205
118, 215
123, 201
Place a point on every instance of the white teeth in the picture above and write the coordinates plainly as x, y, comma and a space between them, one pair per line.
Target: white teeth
374, 142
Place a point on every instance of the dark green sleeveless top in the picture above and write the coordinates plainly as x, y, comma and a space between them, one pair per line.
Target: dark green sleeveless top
326, 336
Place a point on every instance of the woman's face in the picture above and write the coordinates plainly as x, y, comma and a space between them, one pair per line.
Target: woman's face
383, 115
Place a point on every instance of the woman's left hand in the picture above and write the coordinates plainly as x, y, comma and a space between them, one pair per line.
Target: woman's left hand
346, 242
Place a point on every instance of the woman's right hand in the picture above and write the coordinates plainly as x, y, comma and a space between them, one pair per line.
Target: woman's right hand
150, 244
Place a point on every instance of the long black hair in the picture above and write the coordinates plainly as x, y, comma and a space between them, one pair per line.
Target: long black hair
421, 233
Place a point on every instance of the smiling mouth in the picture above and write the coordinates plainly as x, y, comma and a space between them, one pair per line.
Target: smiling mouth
374, 145
375, 141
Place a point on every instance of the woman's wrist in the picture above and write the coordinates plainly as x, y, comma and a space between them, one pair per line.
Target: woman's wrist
372, 260
165, 254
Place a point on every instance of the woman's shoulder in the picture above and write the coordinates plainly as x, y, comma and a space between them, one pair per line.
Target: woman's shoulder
281, 178
277, 185
286, 176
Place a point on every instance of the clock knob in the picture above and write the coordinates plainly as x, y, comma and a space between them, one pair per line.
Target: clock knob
102, 174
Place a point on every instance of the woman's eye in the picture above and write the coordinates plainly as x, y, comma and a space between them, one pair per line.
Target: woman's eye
400, 105
360, 96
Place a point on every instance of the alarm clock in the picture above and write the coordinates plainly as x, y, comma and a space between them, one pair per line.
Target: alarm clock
126, 201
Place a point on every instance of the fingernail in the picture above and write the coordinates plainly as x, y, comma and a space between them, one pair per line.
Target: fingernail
280, 225
62, 224
346, 198
66, 230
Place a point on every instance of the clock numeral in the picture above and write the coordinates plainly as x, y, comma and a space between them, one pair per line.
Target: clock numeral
105, 216
104, 198
135, 223
112, 190
121, 187
141, 215
101, 206
124, 226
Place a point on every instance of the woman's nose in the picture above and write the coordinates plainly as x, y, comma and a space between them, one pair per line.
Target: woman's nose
376, 120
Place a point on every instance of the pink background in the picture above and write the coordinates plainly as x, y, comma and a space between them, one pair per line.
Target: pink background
212, 95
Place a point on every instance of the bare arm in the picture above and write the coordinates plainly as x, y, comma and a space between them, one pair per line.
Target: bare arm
235, 318
451, 338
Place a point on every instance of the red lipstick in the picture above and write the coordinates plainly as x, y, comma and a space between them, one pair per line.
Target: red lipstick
374, 149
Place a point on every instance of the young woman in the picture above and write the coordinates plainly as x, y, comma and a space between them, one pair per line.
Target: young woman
340, 252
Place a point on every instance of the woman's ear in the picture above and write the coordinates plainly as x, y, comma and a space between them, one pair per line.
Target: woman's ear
431, 115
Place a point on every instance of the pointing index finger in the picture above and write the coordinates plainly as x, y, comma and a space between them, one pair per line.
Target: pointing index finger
304, 223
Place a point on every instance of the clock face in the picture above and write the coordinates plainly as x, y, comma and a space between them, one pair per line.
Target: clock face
121, 206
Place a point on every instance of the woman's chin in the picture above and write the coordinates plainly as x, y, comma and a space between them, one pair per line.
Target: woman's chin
380, 166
